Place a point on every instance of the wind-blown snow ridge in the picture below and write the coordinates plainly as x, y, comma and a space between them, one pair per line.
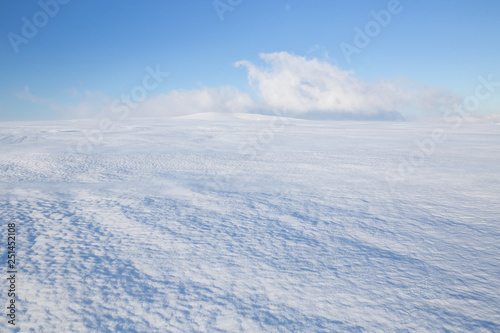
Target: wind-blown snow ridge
168, 227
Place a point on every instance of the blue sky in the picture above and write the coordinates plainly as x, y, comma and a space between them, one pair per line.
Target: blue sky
92, 52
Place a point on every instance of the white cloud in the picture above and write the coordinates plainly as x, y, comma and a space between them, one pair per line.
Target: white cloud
285, 82
182, 102
298, 85
90, 104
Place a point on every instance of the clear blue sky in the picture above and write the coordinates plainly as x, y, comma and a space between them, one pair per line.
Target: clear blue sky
104, 46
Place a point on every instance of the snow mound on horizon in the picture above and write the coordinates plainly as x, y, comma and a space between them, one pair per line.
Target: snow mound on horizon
218, 116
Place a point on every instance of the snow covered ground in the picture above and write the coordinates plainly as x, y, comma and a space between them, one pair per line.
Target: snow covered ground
248, 224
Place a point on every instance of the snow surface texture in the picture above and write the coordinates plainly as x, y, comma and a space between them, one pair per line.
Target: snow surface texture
178, 226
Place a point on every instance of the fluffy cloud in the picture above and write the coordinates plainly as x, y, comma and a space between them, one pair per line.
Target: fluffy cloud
299, 86
182, 102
